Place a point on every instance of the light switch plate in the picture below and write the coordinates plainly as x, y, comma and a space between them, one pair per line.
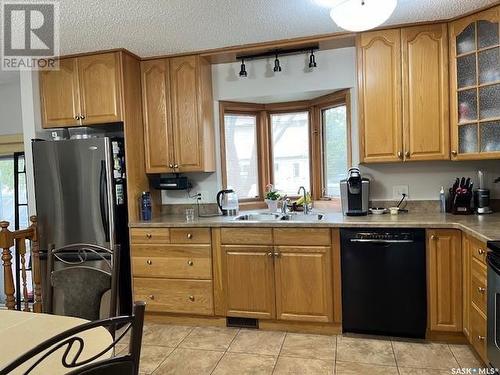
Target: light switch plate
399, 190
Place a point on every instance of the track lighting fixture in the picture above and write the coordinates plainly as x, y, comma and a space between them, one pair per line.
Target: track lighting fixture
243, 70
277, 67
312, 60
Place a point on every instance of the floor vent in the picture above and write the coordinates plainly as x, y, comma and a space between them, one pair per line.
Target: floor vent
242, 322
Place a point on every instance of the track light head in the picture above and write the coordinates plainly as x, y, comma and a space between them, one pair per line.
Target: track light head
277, 67
243, 70
312, 60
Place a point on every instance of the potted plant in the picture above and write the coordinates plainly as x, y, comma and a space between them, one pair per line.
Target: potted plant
271, 198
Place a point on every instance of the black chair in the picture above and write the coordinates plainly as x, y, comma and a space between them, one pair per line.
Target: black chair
85, 273
70, 342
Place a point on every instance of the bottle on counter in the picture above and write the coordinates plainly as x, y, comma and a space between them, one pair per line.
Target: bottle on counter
146, 206
442, 200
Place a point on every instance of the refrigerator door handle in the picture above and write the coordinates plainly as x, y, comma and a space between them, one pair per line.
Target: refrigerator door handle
103, 191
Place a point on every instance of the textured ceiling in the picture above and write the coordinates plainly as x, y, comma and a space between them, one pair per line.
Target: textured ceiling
157, 27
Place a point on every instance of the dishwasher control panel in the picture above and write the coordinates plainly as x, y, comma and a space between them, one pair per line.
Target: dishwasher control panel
386, 236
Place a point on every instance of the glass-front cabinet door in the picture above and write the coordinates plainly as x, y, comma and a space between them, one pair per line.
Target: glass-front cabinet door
475, 86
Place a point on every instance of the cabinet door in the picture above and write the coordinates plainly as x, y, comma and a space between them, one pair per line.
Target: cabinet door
100, 88
60, 99
304, 289
248, 279
444, 273
475, 86
425, 92
156, 112
379, 75
185, 93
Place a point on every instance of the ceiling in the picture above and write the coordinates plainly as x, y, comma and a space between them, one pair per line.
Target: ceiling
158, 27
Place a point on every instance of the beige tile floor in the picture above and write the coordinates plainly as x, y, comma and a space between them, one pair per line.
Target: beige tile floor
170, 349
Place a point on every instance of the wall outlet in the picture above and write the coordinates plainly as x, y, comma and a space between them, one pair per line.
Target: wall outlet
399, 190
204, 196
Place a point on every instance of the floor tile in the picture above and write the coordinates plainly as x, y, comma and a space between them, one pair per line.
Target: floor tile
152, 357
257, 342
424, 355
424, 371
465, 356
245, 364
303, 366
189, 362
309, 346
351, 368
164, 334
365, 350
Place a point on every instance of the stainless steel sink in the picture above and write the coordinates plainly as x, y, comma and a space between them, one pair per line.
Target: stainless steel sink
302, 217
259, 217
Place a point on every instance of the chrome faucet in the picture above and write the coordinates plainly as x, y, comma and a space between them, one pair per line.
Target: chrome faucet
284, 205
306, 206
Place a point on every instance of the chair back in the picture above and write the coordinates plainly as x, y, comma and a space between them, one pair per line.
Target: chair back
9, 239
70, 345
83, 274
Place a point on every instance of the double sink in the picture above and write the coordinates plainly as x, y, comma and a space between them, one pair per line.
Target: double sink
268, 216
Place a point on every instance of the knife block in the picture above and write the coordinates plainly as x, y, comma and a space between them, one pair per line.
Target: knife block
461, 202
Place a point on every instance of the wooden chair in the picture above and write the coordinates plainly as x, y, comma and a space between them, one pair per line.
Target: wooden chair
99, 363
18, 238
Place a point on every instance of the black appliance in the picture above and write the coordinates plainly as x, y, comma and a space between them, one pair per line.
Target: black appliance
355, 192
170, 183
493, 303
384, 290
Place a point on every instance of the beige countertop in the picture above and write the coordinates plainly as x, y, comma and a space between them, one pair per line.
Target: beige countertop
484, 228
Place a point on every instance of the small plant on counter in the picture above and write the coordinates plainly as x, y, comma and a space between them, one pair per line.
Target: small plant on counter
271, 198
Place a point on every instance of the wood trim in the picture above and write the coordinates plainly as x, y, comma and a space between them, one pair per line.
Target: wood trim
11, 143
220, 302
336, 277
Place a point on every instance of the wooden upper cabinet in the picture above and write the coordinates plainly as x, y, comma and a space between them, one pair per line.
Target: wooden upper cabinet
60, 98
186, 115
304, 284
475, 86
425, 92
379, 76
100, 88
156, 112
444, 273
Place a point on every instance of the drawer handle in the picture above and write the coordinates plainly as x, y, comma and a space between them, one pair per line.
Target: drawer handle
481, 338
189, 236
191, 298
149, 236
149, 261
481, 289
151, 297
480, 251
190, 263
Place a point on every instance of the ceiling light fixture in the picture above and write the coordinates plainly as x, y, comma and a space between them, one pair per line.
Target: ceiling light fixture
312, 60
277, 67
243, 70
360, 15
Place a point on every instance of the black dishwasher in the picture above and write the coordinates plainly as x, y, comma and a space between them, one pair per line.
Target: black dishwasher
384, 288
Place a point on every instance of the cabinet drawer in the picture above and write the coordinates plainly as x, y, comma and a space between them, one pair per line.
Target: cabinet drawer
478, 285
190, 235
172, 261
247, 236
478, 331
478, 249
150, 235
175, 296
302, 236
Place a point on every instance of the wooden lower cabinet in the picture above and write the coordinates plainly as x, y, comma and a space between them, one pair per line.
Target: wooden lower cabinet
444, 275
304, 284
248, 273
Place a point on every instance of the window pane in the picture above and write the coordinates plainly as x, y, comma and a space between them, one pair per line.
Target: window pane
7, 190
241, 154
290, 149
334, 122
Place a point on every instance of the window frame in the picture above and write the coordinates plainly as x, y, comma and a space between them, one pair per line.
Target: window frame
263, 113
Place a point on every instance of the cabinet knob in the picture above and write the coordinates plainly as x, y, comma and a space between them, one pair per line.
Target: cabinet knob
481, 289
82, 117
149, 236
407, 154
190, 262
454, 152
149, 261
77, 117
480, 251
191, 298
189, 236
170, 165
434, 237
270, 254
481, 338
176, 165
151, 297
400, 154
277, 254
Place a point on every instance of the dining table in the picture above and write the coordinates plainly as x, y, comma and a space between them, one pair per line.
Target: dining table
21, 331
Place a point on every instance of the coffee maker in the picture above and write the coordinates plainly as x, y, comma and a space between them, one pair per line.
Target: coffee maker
354, 193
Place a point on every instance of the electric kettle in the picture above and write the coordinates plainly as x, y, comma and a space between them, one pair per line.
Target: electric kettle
227, 200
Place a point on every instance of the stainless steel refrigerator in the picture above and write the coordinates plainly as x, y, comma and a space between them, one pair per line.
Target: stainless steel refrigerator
80, 192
